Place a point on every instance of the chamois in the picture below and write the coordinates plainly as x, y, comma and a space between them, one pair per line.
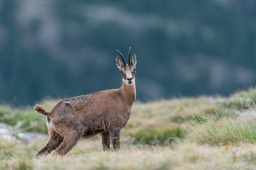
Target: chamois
105, 112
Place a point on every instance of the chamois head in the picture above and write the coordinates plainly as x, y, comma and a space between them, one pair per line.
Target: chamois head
127, 71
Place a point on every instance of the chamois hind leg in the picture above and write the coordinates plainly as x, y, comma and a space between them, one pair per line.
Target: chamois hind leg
115, 136
69, 141
54, 141
105, 140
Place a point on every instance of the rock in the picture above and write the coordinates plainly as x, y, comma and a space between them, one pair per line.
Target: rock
247, 113
8, 133
30, 136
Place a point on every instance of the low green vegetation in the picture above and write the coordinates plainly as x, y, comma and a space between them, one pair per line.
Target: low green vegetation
156, 136
186, 133
24, 119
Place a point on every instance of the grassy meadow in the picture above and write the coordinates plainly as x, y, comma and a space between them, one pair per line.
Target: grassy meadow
207, 132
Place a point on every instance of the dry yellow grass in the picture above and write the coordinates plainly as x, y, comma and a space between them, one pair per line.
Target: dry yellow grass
179, 134
88, 155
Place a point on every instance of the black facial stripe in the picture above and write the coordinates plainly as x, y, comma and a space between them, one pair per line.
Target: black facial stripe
123, 75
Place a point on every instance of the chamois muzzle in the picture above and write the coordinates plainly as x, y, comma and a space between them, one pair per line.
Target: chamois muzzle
129, 80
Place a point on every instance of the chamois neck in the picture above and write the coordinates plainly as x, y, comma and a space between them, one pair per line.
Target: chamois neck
128, 92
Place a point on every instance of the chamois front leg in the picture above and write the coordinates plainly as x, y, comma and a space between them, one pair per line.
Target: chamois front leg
115, 136
105, 140
54, 141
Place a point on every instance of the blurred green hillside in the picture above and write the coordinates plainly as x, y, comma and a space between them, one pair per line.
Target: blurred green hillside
184, 48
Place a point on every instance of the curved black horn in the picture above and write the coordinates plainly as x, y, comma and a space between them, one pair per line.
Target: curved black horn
121, 55
129, 56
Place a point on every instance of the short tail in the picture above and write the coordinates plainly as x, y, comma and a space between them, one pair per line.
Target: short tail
40, 109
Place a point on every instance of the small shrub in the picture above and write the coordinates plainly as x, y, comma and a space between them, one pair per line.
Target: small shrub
158, 136
197, 119
191, 118
236, 104
242, 100
178, 119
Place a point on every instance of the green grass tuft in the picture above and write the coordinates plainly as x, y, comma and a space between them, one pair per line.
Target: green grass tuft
223, 132
25, 165
158, 136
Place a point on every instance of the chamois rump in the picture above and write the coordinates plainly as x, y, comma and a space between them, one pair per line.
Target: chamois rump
105, 112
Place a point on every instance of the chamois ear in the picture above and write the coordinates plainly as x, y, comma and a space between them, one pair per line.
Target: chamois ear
119, 63
134, 60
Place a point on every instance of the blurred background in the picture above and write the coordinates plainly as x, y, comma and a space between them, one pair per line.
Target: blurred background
63, 48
